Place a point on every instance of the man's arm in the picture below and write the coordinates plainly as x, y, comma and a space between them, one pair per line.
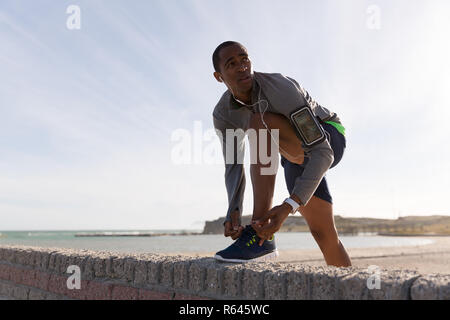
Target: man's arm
320, 159
234, 168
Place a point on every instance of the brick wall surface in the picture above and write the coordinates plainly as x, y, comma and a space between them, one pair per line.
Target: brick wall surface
41, 273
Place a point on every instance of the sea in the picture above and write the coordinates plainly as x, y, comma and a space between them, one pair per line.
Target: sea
175, 243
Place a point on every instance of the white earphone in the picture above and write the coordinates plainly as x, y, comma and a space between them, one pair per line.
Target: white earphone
261, 112
259, 102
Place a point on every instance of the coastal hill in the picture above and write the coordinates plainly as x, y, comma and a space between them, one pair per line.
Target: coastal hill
403, 226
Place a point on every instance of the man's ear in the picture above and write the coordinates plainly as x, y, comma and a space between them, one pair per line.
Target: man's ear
218, 76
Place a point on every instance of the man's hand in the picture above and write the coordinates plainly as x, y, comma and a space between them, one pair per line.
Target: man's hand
271, 222
233, 228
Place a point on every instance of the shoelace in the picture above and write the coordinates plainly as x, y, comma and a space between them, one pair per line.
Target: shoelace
247, 237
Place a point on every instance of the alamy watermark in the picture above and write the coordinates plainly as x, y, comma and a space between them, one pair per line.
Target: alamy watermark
73, 21
373, 21
74, 281
198, 147
374, 280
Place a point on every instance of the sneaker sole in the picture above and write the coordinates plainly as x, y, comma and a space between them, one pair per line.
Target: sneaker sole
267, 257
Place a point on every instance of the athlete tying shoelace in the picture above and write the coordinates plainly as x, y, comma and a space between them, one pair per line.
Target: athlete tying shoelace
310, 139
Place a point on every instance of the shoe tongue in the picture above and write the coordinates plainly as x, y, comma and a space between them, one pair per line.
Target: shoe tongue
247, 233
250, 229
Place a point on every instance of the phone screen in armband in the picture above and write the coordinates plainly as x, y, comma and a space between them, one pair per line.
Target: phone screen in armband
308, 127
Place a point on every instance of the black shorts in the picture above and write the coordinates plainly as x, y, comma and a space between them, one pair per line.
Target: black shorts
294, 170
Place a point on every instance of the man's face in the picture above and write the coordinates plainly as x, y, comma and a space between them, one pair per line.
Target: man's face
236, 69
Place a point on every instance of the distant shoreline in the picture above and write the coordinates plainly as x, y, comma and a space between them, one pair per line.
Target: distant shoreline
404, 226
135, 234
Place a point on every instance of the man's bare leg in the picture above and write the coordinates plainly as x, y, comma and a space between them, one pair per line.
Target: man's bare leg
318, 213
263, 185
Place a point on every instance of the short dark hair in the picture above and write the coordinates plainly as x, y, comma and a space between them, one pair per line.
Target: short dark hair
215, 56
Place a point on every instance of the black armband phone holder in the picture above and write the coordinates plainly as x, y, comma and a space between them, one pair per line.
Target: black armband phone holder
308, 127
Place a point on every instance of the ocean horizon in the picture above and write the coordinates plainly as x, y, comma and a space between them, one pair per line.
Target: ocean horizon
177, 243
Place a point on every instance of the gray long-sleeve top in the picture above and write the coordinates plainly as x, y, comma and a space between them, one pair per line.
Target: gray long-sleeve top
284, 96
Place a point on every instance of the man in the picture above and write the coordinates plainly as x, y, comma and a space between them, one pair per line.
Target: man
262, 101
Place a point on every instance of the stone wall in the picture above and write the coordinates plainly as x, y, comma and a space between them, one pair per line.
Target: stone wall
41, 273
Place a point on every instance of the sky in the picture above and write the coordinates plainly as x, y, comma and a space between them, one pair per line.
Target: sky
95, 103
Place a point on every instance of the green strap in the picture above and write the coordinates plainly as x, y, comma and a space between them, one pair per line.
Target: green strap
338, 126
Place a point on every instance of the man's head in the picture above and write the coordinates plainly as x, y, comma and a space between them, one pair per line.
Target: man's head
233, 67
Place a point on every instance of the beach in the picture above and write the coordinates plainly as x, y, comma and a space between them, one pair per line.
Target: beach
425, 259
